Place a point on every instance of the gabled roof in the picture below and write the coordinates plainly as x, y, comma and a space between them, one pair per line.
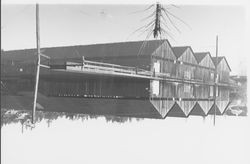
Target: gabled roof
88, 51
220, 58
178, 51
199, 56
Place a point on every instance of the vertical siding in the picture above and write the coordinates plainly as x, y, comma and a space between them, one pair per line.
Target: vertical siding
185, 91
202, 91
186, 106
182, 70
163, 106
206, 74
165, 56
206, 105
187, 57
164, 51
222, 105
207, 62
161, 53
185, 71
223, 98
223, 71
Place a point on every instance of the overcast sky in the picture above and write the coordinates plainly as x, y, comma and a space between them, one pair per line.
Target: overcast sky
90, 24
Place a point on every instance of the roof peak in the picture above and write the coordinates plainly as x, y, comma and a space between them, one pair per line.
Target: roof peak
178, 51
220, 58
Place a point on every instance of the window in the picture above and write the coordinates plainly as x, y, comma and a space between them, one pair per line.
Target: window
218, 78
211, 91
187, 88
217, 92
156, 87
211, 75
187, 75
157, 66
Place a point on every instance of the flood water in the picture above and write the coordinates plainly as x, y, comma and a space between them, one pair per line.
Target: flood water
74, 138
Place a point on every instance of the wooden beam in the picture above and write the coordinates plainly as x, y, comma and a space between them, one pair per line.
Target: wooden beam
215, 78
38, 64
45, 66
44, 56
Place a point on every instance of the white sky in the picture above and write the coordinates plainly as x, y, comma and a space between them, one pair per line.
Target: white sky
89, 24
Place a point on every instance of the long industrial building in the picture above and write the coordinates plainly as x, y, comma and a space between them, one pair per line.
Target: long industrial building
146, 79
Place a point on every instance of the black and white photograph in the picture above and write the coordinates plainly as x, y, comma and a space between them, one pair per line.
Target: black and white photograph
154, 82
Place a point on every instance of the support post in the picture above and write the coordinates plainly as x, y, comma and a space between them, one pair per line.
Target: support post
83, 62
38, 64
215, 78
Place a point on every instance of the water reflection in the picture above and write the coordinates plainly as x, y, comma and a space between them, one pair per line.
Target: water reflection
11, 116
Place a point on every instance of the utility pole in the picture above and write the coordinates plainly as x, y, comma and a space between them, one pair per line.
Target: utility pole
38, 64
215, 78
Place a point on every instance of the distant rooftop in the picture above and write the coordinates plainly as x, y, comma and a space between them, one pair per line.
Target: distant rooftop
199, 56
178, 51
219, 60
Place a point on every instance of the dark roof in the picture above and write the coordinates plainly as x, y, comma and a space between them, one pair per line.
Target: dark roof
197, 111
199, 56
178, 51
88, 51
219, 60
